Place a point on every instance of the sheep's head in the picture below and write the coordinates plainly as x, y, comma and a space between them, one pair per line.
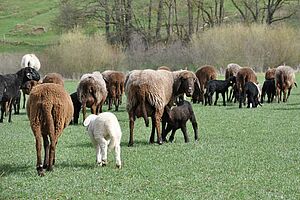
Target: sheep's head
28, 74
88, 122
186, 83
86, 91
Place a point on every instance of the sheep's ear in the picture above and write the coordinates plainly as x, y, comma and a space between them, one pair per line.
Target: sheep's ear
88, 120
197, 84
177, 84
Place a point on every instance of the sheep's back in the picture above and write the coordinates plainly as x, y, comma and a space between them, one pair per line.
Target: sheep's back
54, 78
287, 73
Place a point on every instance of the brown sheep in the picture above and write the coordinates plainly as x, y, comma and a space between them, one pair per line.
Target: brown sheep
92, 92
149, 91
50, 110
245, 74
204, 74
54, 78
285, 80
115, 87
270, 74
231, 70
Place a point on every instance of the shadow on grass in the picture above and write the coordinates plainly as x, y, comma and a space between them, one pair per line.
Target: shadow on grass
138, 143
76, 165
7, 169
288, 109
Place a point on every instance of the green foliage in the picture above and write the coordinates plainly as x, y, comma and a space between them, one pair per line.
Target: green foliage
242, 154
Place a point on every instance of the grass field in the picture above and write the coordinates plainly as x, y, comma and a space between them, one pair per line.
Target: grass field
242, 154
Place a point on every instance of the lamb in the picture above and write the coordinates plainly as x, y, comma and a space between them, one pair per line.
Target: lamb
115, 87
54, 78
285, 80
50, 110
204, 74
252, 93
12, 84
245, 74
268, 88
92, 92
104, 129
30, 60
231, 70
147, 96
218, 86
76, 106
177, 117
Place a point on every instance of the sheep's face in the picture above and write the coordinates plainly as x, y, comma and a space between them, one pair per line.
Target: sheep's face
28, 74
186, 83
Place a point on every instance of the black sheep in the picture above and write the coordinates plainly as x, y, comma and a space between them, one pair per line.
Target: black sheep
13, 84
77, 107
177, 117
252, 94
218, 86
268, 88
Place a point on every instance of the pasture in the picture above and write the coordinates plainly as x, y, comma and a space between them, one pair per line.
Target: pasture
241, 154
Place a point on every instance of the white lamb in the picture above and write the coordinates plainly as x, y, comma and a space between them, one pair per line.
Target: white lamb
30, 60
104, 129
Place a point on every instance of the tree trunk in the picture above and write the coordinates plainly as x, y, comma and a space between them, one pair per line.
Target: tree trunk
159, 19
190, 16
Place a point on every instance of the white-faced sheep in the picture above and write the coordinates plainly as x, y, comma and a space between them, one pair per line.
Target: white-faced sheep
231, 70
285, 80
245, 74
92, 92
104, 130
115, 87
50, 110
54, 78
204, 74
10, 87
149, 91
30, 60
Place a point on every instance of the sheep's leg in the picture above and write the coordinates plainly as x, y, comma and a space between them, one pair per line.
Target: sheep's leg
131, 127
109, 103
185, 135
2, 111
195, 126
171, 139
9, 111
103, 146
217, 97
98, 154
53, 140
224, 102
46, 151
166, 132
83, 110
24, 99
118, 155
158, 115
289, 92
151, 141
284, 95
38, 147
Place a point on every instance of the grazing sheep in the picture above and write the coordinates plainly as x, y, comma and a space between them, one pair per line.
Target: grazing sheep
92, 92
115, 87
285, 80
26, 88
231, 70
76, 106
245, 74
204, 74
252, 94
104, 129
268, 88
149, 91
30, 60
218, 86
177, 117
270, 74
54, 78
12, 84
50, 110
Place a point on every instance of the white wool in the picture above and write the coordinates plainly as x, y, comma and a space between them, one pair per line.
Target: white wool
104, 129
30, 60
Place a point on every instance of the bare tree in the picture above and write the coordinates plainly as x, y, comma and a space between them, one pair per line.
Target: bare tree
159, 19
212, 12
190, 16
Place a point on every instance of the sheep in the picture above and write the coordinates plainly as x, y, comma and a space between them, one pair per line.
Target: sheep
268, 88
204, 74
285, 80
270, 74
50, 110
26, 88
30, 60
149, 91
54, 78
245, 74
104, 129
252, 93
231, 70
218, 86
92, 92
76, 106
177, 117
115, 87
12, 83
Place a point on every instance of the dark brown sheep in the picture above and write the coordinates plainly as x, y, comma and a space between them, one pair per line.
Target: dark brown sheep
54, 78
26, 88
50, 110
231, 70
115, 87
204, 74
270, 74
285, 80
245, 74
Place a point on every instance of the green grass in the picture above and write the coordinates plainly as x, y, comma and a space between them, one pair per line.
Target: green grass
242, 154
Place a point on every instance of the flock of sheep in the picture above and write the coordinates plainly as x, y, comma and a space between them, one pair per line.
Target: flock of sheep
159, 94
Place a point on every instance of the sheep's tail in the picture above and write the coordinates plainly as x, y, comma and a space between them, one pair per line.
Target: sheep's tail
295, 84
